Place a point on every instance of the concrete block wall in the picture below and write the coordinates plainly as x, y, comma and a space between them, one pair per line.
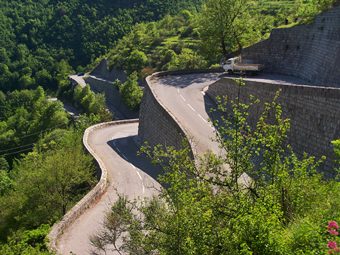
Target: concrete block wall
114, 100
92, 197
310, 52
314, 113
157, 125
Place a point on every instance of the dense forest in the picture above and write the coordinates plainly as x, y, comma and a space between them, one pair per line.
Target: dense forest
191, 39
41, 43
44, 170
38, 37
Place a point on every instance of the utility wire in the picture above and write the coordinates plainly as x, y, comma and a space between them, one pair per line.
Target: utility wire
26, 145
15, 148
13, 153
41, 131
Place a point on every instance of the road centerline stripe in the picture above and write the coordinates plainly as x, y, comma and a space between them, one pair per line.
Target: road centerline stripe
202, 118
191, 107
140, 177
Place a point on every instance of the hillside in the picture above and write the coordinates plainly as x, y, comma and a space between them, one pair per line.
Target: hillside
36, 37
44, 169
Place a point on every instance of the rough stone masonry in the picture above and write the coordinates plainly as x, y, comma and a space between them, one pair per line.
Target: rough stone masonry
310, 52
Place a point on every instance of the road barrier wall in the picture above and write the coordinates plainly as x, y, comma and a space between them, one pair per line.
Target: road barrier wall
92, 197
157, 124
314, 112
310, 52
113, 98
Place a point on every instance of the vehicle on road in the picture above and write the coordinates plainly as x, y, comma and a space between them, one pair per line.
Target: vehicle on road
235, 65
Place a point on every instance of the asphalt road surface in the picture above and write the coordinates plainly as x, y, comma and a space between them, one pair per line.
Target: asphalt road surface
183, 96
128, 174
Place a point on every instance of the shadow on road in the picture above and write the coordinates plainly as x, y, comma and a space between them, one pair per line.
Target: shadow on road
127, 148
187, 79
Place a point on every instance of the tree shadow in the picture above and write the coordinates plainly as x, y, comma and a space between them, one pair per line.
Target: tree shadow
128, 149
186, 80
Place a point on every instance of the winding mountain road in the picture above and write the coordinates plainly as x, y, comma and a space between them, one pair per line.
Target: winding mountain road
127, 175
184, 97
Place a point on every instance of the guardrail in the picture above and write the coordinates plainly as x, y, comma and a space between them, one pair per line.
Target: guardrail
90, 198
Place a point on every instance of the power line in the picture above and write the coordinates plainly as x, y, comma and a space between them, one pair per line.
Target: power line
13, 153
19, 147
26, 145
41, 131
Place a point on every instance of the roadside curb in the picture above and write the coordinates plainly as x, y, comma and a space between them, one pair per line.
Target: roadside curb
185, 133
90, 198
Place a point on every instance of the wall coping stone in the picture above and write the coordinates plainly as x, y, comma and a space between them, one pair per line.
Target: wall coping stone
156, 75
91, 197
297, 89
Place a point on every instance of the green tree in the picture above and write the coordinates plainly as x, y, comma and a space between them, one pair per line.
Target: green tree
131, 92
27, 242
46, 183
136, 61
211, 208
224, 24
188, 59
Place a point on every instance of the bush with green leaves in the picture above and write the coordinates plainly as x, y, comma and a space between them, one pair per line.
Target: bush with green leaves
131, 92
27, 242
90, 102
46, 182
207, 207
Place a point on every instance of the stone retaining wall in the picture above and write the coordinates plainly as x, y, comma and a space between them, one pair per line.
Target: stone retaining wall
157, 124
102, 70
314, 112
114, 100
310, 52
91, 197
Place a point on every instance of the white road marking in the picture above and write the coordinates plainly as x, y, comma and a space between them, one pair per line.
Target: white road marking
191, 107
202, 118
140, 177
117, 148
177, 90
203, 93
182, 98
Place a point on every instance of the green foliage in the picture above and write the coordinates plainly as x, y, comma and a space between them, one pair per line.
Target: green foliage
211, 208
27, 242
42, 34
131, 92
171, 43
5, 182
91, 103
46, 182
25, 115
336, 145
188, 59
226, 26
136, 61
